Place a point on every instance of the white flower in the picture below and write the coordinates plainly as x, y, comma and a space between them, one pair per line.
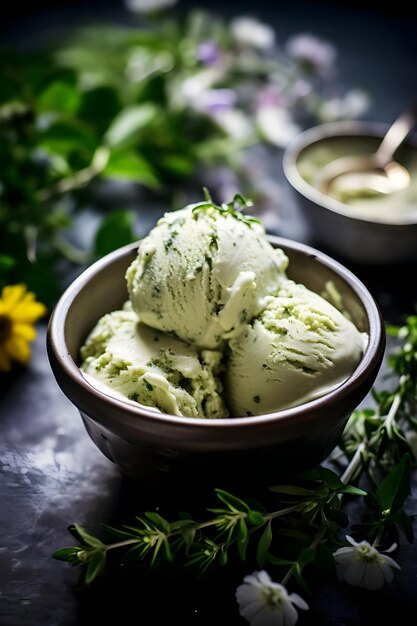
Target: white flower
235, 123
148, 6
317, 54
276, 125
362, 565
250, 32
265, 603
353, 104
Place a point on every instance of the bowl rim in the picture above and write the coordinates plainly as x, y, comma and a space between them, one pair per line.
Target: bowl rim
328, 130
128, 414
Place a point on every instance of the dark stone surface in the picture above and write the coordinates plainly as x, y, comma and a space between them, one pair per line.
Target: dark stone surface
52, 474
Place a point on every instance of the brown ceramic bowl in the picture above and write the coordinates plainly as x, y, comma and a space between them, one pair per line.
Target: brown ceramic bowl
171, 450
362, 238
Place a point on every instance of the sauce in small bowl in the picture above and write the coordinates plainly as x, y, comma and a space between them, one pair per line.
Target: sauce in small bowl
394, 207
362, 226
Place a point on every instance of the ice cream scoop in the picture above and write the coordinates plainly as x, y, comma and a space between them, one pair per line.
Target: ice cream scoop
203, 272
141, 364
299, 348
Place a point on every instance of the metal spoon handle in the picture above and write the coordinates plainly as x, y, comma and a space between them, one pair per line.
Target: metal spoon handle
395, 136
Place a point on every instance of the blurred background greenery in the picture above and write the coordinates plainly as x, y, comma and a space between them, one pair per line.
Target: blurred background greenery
177, 99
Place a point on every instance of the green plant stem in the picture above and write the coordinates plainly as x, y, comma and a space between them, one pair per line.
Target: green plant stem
120, 544
71, 252
319, 536
354, 464
80, 179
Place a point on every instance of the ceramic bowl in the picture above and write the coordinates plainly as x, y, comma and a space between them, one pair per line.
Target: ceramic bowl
372, 238
169, 450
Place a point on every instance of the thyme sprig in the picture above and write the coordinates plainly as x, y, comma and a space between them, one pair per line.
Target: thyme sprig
233, 208
300, 524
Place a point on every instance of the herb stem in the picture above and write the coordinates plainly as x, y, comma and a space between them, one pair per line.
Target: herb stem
316, 540
120, 544
289, 509
79, 179
390, 418
354, 465
71, 252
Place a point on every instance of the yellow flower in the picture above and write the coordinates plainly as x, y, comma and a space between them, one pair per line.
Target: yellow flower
18, 313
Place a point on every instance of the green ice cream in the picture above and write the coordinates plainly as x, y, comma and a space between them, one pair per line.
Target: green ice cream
299, 348
141, 364
214, 327
201, 274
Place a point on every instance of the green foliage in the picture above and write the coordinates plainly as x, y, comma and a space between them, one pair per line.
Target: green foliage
132, 104
115, 231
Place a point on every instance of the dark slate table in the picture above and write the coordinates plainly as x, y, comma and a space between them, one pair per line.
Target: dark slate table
52, 474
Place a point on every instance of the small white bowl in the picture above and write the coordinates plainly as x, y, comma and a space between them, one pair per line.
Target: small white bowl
353, 236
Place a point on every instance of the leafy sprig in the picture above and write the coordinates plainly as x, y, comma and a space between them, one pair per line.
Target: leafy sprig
233, 208
302, 523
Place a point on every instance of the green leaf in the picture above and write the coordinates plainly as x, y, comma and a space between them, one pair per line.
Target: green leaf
67, 554
99, 106
6, 262
255, 518
307, 556
178, 165
128, 124
130, 166
82, 535
293, 490
243, 538
394, 489
263, 545
351, 490
159, 522
115, 231
330, 478
233, 503
67, 137
59, 96
95, 565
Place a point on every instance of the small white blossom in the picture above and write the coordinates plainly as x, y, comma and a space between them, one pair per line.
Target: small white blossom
353, 104
308, 49
214, 100
148, 6
266, 603
193, 86
252, 33
276, 125
235, 123
362, 565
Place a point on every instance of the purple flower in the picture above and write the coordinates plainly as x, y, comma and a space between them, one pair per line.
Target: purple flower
208, 52
312, 53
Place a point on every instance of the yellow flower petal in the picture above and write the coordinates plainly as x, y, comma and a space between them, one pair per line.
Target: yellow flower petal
28, 312
19, 310
17, 349
11, 294
4, 362
26, 331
